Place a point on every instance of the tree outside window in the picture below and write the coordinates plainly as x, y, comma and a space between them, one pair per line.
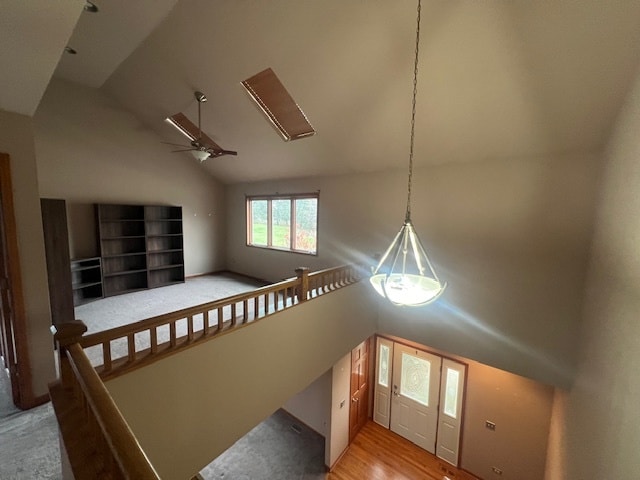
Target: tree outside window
283, 222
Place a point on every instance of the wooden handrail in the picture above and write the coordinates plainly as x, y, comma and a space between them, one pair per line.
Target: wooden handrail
122, 442
165, 334
93, 409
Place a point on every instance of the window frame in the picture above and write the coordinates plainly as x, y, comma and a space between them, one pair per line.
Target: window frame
292, 224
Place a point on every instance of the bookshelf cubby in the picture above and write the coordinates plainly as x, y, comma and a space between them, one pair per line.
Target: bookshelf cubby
86, 280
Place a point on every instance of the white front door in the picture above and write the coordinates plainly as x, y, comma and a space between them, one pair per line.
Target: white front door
382, 399
451, 398
416, 385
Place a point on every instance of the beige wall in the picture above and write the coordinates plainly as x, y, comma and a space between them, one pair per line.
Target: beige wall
511, 238
603, 429
338, 439
16, 139
521, 411
189, 408
312, 406
90, 150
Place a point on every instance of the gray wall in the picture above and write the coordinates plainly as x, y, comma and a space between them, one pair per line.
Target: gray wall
603, 431
90, 150
511, 237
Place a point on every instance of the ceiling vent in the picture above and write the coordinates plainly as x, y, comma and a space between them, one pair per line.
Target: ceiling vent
277, 104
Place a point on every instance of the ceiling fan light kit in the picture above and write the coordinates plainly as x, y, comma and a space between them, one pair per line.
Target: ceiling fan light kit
200, 155
201, 145
404, 275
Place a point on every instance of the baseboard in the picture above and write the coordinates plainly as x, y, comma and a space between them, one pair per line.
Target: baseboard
230, 272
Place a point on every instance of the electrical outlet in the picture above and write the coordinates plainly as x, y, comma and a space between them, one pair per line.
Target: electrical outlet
496, 470
490, 425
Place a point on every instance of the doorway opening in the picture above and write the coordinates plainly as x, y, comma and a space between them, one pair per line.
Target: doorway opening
14, 357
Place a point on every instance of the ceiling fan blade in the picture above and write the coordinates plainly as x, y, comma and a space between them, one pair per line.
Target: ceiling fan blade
183, 125
190, 130
175, 144
219, 153
185, 150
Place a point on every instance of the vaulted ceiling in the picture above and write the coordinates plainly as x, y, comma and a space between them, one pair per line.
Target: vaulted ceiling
498, 79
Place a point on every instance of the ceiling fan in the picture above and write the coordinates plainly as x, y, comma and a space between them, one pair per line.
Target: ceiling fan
201, 145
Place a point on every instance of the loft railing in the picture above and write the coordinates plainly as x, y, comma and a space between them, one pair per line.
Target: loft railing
97, 438
121, 349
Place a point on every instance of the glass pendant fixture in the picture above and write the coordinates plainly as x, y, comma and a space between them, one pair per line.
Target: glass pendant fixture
404, 275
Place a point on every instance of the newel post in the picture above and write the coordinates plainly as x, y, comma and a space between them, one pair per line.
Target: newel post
303, 283
66, 334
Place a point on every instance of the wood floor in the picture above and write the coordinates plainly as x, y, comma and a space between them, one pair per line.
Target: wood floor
379, 454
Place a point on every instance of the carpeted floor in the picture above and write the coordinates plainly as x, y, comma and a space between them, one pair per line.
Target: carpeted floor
29, 446
273, 450
280, 448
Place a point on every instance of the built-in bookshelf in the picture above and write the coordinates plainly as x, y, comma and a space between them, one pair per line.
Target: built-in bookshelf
141, 246
86, 280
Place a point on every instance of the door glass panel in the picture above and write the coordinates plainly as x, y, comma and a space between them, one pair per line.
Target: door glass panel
451, 396
414, 379
383, 367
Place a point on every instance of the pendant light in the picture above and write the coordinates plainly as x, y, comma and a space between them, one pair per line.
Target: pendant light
404, 275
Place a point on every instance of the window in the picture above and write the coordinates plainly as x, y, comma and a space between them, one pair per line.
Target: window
283, 222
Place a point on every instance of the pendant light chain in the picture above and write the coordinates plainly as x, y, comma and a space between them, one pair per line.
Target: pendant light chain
413, 113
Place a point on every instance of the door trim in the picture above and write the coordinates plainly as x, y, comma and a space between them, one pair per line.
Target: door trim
24, 397
461, 360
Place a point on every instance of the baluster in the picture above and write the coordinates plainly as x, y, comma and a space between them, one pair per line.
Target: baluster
172, 333
153, 339
245, 311
131, 347
256, 307
233, 314
220, 318
190, 328
205, 323
106, 355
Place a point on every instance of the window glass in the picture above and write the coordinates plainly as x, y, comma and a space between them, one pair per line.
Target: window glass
383, 369
283, 222
259, 222
306, 224
451, 393
414, 380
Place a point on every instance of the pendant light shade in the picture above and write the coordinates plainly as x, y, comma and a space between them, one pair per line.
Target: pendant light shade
404, 275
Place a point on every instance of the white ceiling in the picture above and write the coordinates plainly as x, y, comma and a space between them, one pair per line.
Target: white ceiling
498, 79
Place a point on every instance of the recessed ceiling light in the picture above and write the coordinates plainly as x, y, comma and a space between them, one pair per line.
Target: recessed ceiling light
90, 7
70, 51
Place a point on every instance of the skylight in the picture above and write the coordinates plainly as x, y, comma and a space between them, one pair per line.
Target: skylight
277, 104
